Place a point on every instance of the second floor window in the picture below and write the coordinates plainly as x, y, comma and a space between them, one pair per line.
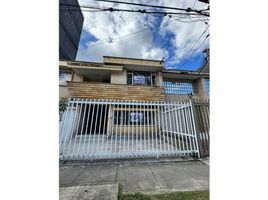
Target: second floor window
141, 78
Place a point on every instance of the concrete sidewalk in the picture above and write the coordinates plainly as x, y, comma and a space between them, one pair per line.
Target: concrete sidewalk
90, 192
139, 177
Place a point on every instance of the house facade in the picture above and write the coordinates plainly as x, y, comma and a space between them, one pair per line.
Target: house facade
125, 107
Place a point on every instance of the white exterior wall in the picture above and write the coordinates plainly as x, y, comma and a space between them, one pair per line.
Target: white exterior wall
119, 77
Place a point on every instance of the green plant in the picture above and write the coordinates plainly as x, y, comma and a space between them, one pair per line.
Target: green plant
120, 192
63, 103
194, 155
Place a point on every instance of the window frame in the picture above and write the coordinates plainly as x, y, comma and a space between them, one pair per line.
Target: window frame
152, 80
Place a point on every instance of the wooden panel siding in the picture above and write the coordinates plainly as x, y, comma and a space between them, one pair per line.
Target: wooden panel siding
115, 91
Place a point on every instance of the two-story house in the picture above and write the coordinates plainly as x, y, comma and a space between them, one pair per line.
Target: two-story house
127, 107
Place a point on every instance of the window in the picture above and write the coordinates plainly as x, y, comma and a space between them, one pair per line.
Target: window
129, 78
141, 78
134, 117
63, 77
172, 87
153, 79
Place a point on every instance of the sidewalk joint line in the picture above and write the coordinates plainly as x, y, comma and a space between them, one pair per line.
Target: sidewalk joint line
155, 176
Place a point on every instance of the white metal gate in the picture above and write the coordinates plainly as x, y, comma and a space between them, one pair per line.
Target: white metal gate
105, 129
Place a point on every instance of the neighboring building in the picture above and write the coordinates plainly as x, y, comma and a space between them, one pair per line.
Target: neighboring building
127, 107
70, 26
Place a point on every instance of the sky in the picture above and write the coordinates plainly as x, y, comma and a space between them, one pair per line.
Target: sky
145, 36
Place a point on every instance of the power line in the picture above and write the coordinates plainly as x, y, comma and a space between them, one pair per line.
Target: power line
153, 6
199, 46
129, 34
189, 21
121, 37
194, 3
143, 5
187, 52
132, 10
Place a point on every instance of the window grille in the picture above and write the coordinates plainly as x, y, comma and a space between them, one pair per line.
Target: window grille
178, 87
134, 117
141, 78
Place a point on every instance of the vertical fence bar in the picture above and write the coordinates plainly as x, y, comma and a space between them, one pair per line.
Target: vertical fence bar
91, 124
124, 130
88, 115
167, 128
181, 128
174, 122
159, 127
191, 128
128, 131
176, 127
164, 128
113, 111
151, 127
120, 129
148, 127
116, 128
191, 106
132, 128
136, 126
104, 128
110, 127
170, 127
139, 128
184, 130
155, 127
82, 129
144, 127
188, 127
101, 102
94, 136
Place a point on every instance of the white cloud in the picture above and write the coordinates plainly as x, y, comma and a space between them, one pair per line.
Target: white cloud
154, 53
106, 27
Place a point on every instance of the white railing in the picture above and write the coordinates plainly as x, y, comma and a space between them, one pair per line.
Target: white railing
103, 129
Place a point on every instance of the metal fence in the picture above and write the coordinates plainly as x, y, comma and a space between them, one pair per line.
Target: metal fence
201, 113
103, 129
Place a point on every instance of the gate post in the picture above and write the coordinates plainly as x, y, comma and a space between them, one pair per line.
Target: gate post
196, 125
